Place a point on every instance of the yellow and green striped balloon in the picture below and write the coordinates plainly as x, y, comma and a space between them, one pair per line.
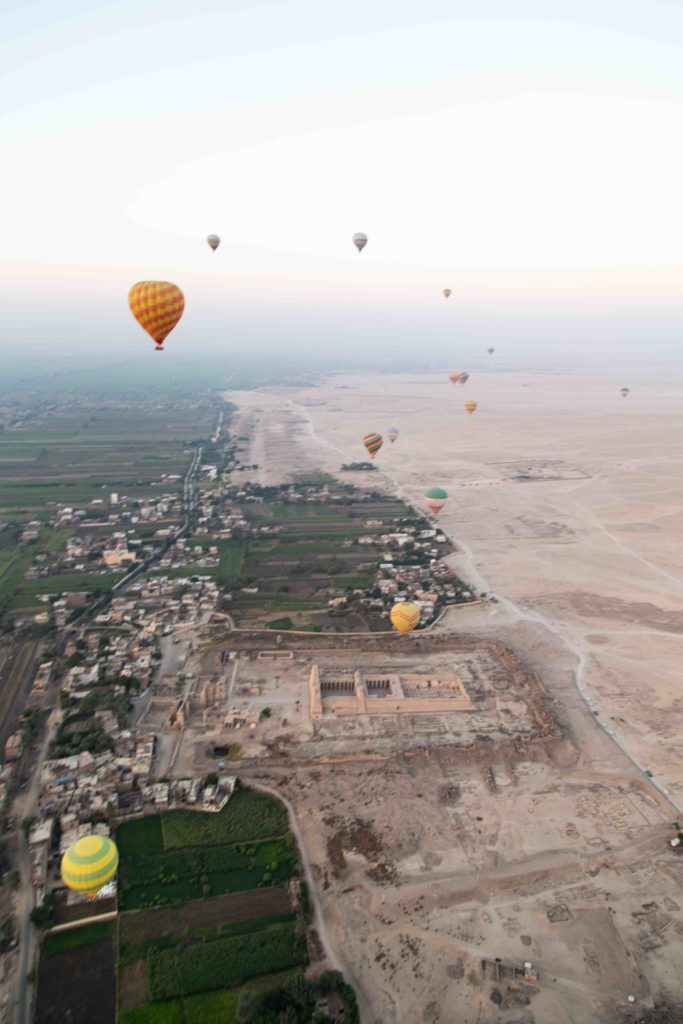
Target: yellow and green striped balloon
373, 443
89, 864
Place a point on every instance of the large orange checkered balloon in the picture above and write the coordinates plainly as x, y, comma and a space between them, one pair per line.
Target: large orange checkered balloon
157, 306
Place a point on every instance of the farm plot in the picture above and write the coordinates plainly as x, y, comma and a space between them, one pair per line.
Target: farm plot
224, 963
72, 938
315, 556
75, 455
207, 1008
77, 985
186, 855
185, 962
247, 816
262, 904
189, 874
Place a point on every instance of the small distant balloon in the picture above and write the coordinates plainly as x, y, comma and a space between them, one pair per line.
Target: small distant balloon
360, 240
470, 406
157, 306
435, 499
625, 392
491, 351
446, 293
458, 377
404, 617
373, 443
214, 241
392, 434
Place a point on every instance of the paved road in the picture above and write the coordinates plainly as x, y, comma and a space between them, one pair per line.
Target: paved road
26, 807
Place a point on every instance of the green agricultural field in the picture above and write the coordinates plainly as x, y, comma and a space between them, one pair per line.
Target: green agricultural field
70, 581
82, 449
74, 937
247, 816
55, 540
130, 951
207, 1008
231, 554
153, 1013
211, 1008
305, 547
224, 963
187, 855
138, 837
185, 962
190, 875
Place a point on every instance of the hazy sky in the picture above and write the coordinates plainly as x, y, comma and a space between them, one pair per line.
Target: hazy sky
527, 153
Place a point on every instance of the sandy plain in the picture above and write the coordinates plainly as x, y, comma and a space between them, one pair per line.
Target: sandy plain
566, 862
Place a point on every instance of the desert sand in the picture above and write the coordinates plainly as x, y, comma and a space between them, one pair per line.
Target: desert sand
597, 556
566, 503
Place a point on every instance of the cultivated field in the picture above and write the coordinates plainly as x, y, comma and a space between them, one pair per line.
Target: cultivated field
72, 454
187, 959
314, 553
76, 982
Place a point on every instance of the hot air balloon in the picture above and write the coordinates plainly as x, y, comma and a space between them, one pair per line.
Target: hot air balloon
373, 443
404, 617
392, 434
214, 241
625, 392
89, 864
435, 499
491, 351
446, 293
458, 377
157, 306
360, 240
470, 406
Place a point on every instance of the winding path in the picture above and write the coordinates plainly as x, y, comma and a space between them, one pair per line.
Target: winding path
320, 924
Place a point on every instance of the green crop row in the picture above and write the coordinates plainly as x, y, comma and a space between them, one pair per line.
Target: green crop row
248, 816
207, 1008
129, 952
223, 963
144, 868
71, 938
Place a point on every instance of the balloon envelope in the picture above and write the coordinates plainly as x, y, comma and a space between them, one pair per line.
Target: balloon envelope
491, 351
404, 617
360, 240
435, 499
458, 377
89, 863
214, 241
392, 434
157, 306
447, 293
373, 443
470, 406
625, 392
